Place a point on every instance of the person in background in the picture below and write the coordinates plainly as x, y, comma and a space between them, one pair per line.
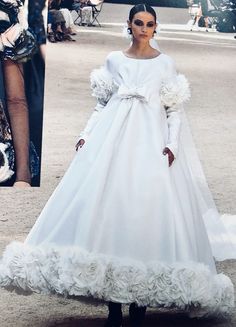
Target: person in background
17, 44
57, 30
76, 5
34, 71
69, 22
203, 12
86, 12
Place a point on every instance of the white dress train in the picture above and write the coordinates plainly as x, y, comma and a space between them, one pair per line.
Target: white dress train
122, 225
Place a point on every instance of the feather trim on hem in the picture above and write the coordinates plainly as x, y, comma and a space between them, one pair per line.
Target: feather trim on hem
71, 271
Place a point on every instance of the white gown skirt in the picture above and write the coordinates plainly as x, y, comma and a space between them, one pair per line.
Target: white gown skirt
122, 225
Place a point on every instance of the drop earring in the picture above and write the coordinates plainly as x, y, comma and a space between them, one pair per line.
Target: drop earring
129, 30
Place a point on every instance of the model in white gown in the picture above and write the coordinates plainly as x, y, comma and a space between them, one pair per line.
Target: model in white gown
122, 225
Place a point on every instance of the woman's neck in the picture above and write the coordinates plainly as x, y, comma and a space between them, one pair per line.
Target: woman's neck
141, 50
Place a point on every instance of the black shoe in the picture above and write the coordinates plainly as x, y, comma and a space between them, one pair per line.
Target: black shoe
136, 315
115, 315
67, 37
112, 324
59, 36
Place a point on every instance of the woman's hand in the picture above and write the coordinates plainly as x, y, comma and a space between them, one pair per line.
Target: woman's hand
79, 144
171, 157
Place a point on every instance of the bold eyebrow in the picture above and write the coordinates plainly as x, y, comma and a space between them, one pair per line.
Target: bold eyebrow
150, 21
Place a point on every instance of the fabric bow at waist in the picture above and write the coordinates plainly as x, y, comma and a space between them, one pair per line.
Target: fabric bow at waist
139, 93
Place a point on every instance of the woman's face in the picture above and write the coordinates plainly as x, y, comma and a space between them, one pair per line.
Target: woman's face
143, 26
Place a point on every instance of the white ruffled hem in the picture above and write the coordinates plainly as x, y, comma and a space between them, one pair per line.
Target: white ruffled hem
72, 271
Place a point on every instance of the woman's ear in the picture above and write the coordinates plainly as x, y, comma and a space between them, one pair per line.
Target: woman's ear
128, 23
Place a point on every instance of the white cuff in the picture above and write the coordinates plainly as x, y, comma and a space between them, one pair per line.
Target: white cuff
83, 136
174, 125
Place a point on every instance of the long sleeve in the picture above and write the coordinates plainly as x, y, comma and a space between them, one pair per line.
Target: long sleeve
93, 119
174, 125
174, 91
103, 86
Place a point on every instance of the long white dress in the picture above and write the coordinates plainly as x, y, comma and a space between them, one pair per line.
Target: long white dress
122, 225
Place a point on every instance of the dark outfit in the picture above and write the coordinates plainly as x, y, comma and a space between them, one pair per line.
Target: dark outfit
34, 72
14, 109
55, 17
204, 7
67, 4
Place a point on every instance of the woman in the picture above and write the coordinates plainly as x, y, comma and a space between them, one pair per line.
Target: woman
70, 26
124, 225
18, 117
202, 12
16, 43
56, 22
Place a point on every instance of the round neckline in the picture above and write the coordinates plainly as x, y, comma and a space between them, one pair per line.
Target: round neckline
140, 58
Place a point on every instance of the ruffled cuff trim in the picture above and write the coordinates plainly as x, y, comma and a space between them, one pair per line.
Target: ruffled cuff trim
102, 85
175, 91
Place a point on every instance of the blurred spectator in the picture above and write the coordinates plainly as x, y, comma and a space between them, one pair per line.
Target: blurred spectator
71, 4
86, 12
76, 5
202, 13
69, 22
59, 22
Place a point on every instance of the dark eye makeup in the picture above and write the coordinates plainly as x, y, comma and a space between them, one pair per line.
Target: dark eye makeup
139, 22
150, 24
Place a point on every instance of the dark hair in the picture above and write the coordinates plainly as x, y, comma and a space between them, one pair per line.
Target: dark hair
141, 7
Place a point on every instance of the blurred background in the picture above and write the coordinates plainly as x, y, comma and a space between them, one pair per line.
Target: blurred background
159, 3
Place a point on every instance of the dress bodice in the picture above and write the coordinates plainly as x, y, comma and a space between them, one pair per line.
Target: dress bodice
154, 80
152, 85
144, 75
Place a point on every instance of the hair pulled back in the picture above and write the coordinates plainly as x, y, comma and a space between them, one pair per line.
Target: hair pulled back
141, 7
